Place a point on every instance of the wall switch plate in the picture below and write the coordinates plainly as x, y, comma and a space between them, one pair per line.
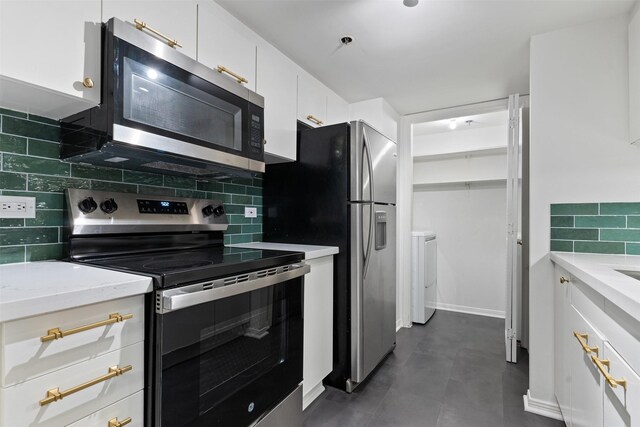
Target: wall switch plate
17, 207
250, 212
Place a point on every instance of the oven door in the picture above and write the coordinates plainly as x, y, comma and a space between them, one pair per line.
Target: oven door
228, 355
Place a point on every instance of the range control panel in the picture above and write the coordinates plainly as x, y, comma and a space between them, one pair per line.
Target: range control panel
92, 212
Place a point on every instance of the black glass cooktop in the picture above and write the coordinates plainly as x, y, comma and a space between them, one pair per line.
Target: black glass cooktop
175, 267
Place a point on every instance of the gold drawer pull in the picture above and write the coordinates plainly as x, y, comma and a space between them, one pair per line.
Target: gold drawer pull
582, 339
56, 333
221, 69
55, 394
113, 422
564, 280
144, 26
87, 82
314, 120
601, 363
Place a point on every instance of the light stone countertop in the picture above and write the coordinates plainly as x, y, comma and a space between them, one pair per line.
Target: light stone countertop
33, 288
310, 251
599, 272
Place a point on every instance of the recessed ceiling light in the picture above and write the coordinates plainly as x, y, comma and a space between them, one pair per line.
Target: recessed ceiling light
346, 40
410, 3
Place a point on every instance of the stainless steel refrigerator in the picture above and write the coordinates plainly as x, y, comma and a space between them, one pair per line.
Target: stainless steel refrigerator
341, 191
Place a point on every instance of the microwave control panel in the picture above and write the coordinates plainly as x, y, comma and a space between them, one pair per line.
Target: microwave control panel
256, 133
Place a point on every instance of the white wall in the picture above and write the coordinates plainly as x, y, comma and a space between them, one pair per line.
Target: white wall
471, 230
579, 153
379, 114
461, 140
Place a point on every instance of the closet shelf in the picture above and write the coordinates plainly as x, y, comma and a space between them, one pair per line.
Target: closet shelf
442, 185
489, 151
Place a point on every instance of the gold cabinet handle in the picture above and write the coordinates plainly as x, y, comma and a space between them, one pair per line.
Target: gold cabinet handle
564, 280
314, 120
56, 333
87, 82
601, 363
55, 394
113, 422
222, 69
582, 339
144, 26
519, 242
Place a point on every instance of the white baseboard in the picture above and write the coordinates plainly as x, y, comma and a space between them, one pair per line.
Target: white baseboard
541, 407
470, 310
312, 395
398, 324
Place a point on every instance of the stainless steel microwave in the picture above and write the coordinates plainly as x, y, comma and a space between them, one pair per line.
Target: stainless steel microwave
164, 112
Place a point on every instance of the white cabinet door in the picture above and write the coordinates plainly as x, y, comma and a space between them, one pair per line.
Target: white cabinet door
337, 109
312, 100
586, 380
634, 78
54, 46
318, 327
563, 341
225, 41
621, 401
277, 83
176, 19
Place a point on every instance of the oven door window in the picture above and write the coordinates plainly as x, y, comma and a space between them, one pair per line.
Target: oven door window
229, 361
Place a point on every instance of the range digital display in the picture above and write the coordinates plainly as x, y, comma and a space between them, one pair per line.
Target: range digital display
166, 207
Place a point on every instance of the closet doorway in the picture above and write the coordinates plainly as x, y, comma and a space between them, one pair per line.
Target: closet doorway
467, 186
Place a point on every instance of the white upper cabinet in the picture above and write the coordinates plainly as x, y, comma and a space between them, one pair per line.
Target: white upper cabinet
223, 41
312, 100
176, 19
634, 78
47, 50
276, 82
337, 109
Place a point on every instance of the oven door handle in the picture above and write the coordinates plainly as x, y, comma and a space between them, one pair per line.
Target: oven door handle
175, 299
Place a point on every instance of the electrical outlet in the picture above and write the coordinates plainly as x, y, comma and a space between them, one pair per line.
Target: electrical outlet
17, 207
250, 212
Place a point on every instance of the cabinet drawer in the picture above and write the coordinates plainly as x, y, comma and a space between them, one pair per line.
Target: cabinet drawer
20, 404
620, 402
130, 407
24, 356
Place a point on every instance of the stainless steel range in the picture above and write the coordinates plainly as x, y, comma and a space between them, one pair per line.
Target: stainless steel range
224, 324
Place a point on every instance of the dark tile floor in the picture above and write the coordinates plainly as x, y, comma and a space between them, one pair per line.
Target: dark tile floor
449, 372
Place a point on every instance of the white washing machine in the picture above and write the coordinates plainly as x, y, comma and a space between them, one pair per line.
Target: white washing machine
424, 276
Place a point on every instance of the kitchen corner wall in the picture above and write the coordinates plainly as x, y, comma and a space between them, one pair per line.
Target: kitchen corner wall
29, 166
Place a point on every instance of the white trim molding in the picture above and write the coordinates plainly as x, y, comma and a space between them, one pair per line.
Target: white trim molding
312, 395
541, 407
470, 310
400, 325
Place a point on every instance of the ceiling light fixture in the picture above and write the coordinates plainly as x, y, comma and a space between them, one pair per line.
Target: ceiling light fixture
410, 3
453, 124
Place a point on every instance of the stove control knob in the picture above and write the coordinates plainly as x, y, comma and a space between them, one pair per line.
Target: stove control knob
87, 205
207, 210
109, 206
219, 211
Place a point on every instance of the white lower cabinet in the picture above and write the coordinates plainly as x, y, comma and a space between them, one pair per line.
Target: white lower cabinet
82, 366
130, 407
597, 357
318, 327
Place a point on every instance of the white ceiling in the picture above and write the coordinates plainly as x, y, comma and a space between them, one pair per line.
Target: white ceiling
439, 54
464, 123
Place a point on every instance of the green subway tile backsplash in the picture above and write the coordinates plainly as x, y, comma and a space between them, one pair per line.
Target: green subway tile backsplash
29, 167
575, 209
606, 228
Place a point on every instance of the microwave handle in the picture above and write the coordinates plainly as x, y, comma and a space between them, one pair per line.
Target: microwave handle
177, 299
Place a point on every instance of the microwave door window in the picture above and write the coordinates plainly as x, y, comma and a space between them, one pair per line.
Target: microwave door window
161, 101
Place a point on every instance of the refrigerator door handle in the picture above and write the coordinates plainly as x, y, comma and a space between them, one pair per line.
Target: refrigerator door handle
367, 151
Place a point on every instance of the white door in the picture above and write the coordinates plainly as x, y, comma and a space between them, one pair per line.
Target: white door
513, 220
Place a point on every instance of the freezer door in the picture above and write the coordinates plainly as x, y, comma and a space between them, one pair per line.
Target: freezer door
373, 286
373, 159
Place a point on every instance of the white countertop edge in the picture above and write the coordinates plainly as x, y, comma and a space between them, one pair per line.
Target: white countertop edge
310, 251
35, 288
599, 272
